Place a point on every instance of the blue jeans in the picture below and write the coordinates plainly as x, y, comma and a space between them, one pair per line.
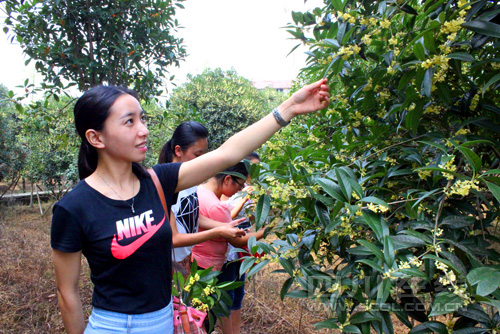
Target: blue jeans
107, 322
231, 272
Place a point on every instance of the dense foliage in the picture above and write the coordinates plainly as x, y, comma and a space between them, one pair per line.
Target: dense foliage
223, 101
12, 155
87, 43
387, 202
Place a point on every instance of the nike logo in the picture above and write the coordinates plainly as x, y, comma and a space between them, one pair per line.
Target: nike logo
122, 252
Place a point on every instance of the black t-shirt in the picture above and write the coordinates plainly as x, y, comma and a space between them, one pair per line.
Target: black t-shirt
129, 254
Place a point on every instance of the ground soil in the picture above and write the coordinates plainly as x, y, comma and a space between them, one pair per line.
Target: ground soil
28, 302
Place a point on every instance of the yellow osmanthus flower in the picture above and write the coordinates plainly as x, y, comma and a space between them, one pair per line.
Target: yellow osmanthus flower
462, 187
433, 110
377, 208
385, 23
462, 131
424, 174
393, 41
416, 262
474, 102
452, 26
366, 39
437, 60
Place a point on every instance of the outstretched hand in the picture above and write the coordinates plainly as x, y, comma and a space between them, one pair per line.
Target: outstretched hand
310, 98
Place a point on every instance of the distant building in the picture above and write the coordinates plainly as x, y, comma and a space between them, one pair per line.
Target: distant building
279, 86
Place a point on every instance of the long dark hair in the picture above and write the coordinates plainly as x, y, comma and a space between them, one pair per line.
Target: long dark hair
91, 111
240, 167
185, 135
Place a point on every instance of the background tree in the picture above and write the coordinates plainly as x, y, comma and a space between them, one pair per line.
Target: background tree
223, 101
87, 43
12, 155
387, 202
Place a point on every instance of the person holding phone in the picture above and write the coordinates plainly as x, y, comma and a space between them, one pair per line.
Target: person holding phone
114, 216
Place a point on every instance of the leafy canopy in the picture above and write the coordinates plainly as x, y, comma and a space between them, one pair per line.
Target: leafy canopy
223, 101
88, 43
387, 202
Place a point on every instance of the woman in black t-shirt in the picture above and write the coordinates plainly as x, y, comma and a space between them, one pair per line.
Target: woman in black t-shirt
114, 216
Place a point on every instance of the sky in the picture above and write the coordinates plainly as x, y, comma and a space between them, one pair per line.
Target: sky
247, 36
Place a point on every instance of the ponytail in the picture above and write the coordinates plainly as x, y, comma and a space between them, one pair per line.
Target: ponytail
87, 159
185, 135
166, 153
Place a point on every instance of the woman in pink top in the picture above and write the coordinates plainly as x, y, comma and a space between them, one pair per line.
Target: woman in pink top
212, 253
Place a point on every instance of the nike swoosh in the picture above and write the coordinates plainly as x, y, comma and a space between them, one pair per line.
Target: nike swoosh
121, 252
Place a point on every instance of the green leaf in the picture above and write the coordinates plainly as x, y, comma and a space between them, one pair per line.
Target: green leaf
470, 330
375, 200
419, 51
298, 294
463, 56
351, 329
322, 213
389, 252
343, 182
383, 290
473, 159
457, 222
427, 83
286, 286
494, 189
374, 249
247, 263
258, 267
361, 317
430, 327
262, 211
486, 278
406, 241
445, 303
408, 9
331, 189
330, 323
490, 82
376, 224
287, 264
483, 27
372, 264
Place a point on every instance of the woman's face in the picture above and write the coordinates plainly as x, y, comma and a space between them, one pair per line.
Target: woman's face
231, 185
196, 149
125, 133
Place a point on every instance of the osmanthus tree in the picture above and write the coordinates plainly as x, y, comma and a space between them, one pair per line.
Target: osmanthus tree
387, 202
86, 43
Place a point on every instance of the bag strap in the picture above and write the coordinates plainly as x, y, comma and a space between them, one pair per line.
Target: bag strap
159, 189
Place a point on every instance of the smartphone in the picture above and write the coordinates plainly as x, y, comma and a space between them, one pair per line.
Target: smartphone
246, 224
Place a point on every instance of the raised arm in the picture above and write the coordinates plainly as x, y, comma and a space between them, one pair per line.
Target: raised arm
308, 99
67, 267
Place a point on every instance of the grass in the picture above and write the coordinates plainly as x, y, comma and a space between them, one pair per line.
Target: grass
28, 301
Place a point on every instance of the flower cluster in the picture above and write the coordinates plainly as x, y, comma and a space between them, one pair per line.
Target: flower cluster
377, 208
192, 281
462, 187
199, 305
347, 17
449, 166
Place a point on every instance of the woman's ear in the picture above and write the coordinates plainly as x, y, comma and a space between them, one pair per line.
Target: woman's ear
178, 151
227, 180
94, 138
